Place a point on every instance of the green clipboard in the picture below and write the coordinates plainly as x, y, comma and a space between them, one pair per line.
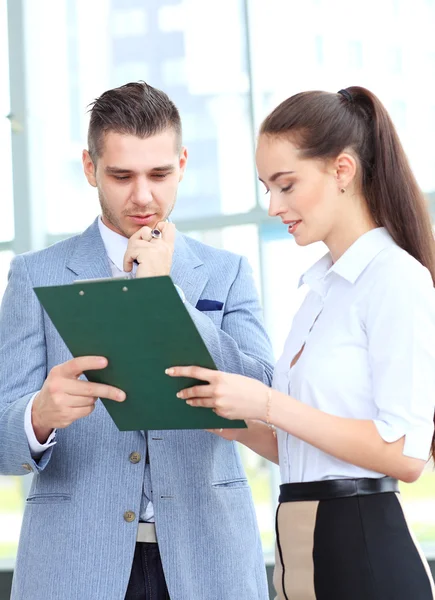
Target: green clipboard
142, 327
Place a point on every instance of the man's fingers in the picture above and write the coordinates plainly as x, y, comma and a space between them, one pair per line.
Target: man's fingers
168, 231
144, 233
76, 366
84, 411
129, 258
75, 402
88, 389
133, 248
132, 253
163, 226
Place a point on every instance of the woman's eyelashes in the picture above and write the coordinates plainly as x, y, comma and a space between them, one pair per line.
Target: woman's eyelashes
288, 188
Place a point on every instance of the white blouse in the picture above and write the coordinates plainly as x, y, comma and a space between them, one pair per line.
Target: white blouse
368, 325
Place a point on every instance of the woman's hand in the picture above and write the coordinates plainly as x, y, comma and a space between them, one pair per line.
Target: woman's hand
230, 396
233, 435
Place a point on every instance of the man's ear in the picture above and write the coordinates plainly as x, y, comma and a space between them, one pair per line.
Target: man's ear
183, 161
89, 168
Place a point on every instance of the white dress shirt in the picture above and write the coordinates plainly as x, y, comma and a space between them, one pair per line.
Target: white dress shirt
368, 325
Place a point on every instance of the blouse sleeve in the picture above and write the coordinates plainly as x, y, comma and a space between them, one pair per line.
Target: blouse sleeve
400, 326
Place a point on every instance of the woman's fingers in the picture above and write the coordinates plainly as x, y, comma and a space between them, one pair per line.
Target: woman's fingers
203, 396
202, 402
197, 391
194, 372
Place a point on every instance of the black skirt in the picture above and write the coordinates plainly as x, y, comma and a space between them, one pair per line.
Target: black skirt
347, 539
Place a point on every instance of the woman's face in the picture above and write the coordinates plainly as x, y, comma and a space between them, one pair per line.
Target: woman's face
304, 193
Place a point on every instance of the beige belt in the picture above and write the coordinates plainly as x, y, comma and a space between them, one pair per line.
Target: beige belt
146, 532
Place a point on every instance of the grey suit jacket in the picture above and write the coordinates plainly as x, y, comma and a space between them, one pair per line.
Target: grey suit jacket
75, 543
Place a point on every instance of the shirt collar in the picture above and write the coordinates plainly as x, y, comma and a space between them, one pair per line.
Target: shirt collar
353, 262
115, 244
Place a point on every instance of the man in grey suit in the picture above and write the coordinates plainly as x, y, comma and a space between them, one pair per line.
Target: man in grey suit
135, 515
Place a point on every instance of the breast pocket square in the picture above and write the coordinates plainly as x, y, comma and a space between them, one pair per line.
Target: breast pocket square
209, 305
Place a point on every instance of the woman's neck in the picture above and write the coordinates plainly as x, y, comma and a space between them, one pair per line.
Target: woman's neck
351, 227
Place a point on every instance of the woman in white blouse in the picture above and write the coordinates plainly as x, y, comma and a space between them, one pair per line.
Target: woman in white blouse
353, 397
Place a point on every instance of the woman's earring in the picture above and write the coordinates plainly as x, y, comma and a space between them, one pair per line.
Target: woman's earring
342, 190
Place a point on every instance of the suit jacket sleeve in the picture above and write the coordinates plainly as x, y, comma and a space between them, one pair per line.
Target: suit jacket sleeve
241, 345
23, 369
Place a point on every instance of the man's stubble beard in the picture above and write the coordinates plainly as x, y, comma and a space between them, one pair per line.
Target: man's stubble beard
110, 216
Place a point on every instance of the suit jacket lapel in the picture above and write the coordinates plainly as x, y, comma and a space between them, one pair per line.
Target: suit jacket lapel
89, 259
188, 271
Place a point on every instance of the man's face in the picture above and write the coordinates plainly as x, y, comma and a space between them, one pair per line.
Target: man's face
137, 179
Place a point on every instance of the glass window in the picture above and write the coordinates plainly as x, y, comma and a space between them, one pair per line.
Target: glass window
175, 47
7, 219
241, 239
418, 500
7, 211
5, 259
285, 64
355, 55
263, 478
284, 262
11, 514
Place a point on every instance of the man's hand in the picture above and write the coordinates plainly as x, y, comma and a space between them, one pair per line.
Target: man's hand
153, 255
64, 398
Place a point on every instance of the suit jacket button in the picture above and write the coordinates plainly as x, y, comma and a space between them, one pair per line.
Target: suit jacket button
129, 516
27, 467
135, 457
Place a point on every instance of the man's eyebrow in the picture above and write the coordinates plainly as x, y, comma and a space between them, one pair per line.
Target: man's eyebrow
120, 170
116, 170
169, 167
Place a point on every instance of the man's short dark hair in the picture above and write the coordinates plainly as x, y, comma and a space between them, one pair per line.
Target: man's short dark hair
132, 109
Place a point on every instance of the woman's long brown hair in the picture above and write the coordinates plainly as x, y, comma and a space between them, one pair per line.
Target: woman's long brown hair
325, 124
